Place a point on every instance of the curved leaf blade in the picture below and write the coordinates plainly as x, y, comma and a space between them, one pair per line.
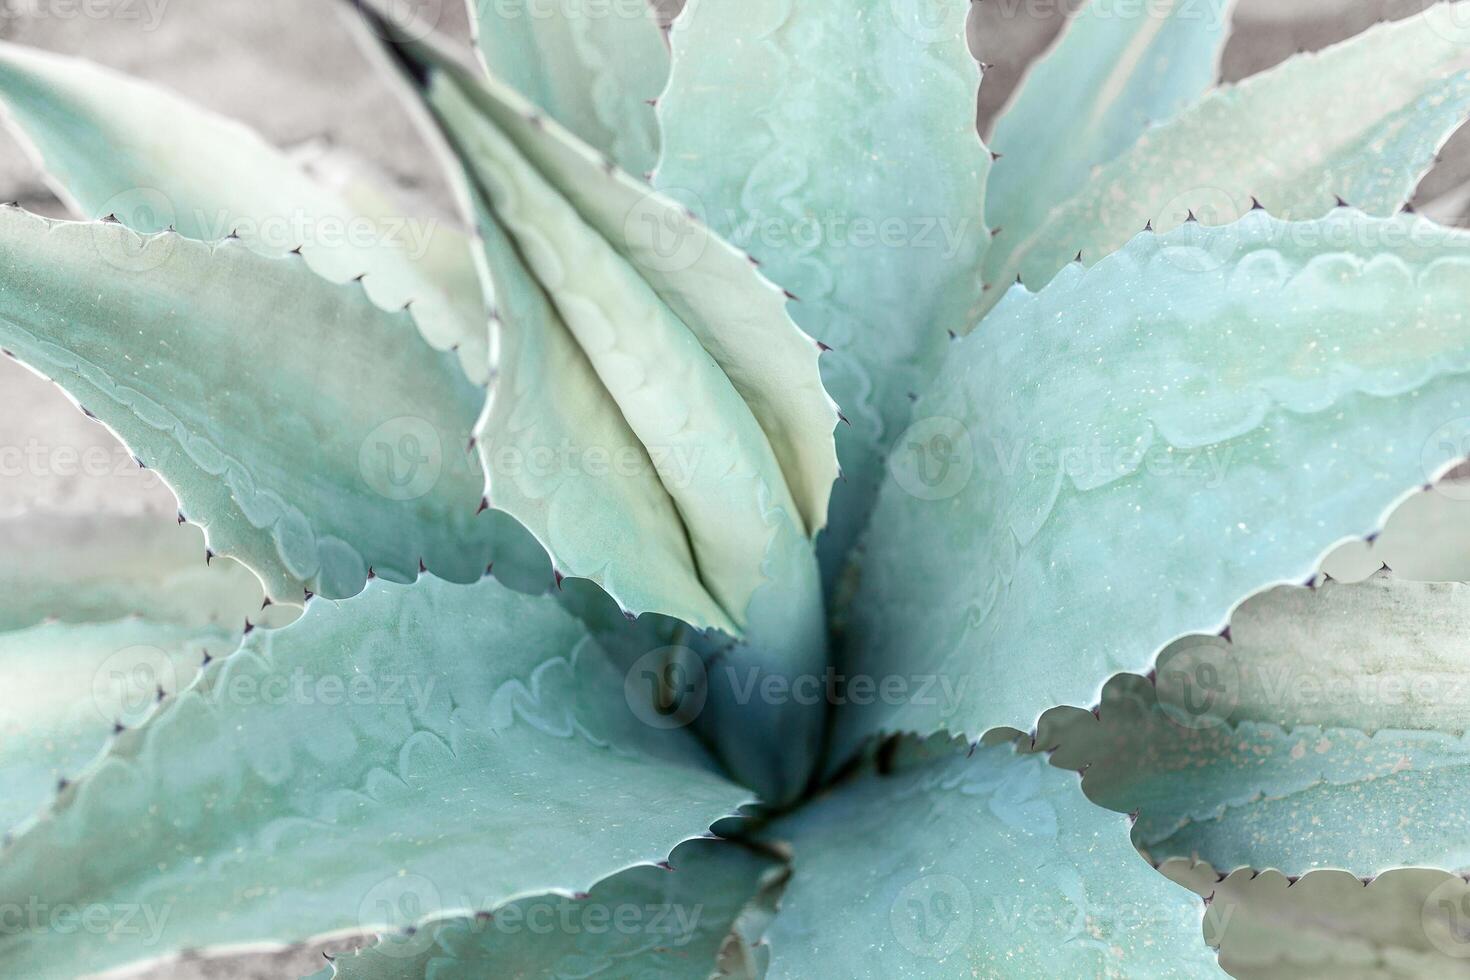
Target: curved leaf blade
416, 753
1118, 460
595, 68
1115, 72
643, 924
115, 145
1333, 734
309, 454
882, 250
1360, 121
991, 864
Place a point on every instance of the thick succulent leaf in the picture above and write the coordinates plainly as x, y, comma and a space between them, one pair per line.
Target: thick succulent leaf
594, 68
415, 753
311, 433
67, 685
720, 390
86, 568
1120, 459
1404, 925
1360, 121
98, 614
115, 145
1115, 71
1328, 731
765, 98
647, 923
991, 864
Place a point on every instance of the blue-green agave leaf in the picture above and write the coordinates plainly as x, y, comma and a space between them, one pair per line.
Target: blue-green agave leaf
991, 864
594, 67
716, 386
1405, 924
115, 145
647, 923
99, 615
1120, 459
1116, 71
1328, 731
313, 435
69, 685
836, 143
1360, 121
418, 752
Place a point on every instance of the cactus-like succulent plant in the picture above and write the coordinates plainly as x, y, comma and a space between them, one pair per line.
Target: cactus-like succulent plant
602, 670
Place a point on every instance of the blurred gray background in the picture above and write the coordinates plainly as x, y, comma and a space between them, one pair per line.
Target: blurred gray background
290, 70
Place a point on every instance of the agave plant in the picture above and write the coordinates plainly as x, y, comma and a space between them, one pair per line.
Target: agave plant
602, 671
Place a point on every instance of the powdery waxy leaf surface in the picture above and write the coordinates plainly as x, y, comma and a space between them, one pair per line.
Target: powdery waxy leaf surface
991, 864
1360, 121
595, 68
1116, 71
417, 752
313, 435
1119, 460
115, 145
647, 923
836, 143
716, 385
1328, 731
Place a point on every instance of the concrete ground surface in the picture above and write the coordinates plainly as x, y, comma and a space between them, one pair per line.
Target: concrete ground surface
289, 69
